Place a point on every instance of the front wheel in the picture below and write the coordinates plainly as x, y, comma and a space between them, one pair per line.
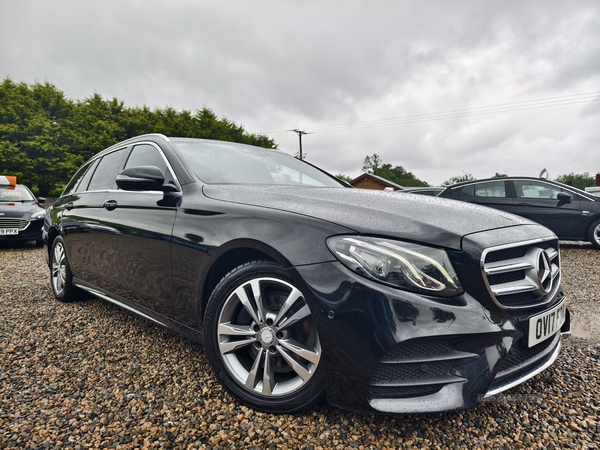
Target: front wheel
61, 277
261, 339
594, 234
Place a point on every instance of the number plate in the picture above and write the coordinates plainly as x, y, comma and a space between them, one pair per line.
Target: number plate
6, 231
546, 324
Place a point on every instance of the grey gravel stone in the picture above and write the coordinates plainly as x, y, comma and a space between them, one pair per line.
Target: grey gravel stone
91, 375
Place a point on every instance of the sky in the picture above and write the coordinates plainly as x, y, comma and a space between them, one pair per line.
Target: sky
442, 88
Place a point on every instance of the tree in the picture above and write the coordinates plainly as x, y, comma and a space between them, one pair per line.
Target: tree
396, 174
579, 180
343, 177
372, 164
458, 179
500, 175
36, 135
45, 137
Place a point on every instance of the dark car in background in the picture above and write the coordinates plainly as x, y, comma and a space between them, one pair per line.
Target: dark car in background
432, 191
302, 288
21, 213
569, 212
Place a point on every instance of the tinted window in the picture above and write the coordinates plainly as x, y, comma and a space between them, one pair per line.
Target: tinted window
148, 155
81, 179
104, 175
536, 189
145, 155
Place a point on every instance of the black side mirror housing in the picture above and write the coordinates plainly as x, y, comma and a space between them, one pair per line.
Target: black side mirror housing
563, 197
141, 178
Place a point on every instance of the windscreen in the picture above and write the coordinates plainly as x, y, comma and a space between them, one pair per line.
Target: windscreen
15, 194
232, 163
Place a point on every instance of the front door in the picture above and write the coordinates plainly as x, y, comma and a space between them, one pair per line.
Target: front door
539, 201
134, 232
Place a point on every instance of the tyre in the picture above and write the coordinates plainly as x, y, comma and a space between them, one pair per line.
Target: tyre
594, 234
261, 340
61, 277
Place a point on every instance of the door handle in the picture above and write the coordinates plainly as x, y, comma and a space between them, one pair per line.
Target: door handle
69, 206
110, 205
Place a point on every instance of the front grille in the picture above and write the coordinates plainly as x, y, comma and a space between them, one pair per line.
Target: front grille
521, 299
14, 222
506, 277
522, 275
416, 368
504, 254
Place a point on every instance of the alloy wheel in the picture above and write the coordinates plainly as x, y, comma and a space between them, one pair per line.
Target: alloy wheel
267, 338
59, 269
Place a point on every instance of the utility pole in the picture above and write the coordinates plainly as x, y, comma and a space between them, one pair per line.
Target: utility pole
300, 133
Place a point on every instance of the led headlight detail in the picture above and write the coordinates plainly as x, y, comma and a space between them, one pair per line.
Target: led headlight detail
404, 265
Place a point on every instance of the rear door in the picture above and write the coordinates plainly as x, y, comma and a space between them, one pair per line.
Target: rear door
491, 193
78, 209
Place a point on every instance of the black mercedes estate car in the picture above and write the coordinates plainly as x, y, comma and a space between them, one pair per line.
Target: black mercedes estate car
301, 288
569, 212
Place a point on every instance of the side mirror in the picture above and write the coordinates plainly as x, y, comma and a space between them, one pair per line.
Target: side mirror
141, 178
563, 197
41, 200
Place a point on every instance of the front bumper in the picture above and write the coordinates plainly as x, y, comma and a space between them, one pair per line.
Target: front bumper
392, 351
28, 231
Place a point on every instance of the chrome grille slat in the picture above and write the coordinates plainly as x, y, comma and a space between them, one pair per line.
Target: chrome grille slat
496, 268
14, 222
539, 263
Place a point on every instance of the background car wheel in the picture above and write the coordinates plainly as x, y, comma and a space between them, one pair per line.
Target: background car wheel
261, 339
594, 236
61, 277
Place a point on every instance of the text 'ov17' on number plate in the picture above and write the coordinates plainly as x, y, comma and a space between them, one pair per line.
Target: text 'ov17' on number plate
546, 324
6, 231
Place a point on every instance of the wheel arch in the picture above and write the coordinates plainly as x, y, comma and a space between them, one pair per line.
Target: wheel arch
231, 255
594, 221
53, 233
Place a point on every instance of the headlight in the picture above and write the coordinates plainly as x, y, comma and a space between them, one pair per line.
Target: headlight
38, 215
404, 265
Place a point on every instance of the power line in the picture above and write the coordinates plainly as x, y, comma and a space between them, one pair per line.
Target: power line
467, 112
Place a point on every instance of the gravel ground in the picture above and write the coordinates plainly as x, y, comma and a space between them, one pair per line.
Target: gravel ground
91, 375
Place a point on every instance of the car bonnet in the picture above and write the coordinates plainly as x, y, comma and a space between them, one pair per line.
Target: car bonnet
431, 220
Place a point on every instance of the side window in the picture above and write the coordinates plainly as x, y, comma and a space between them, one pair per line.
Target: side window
148, 155
495, 189
536, 189
77, 183
105, 173
85, 181
491, 189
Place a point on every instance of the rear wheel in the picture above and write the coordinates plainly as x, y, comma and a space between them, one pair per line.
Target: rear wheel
61, 277
261, 339
594, 234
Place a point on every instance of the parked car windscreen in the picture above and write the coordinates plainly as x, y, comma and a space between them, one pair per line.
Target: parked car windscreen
15, 194
231, 163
